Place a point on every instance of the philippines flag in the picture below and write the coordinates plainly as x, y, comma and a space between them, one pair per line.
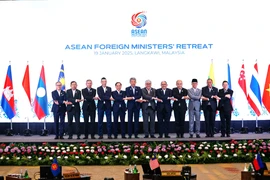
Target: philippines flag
7, 101
254, 95
61, 77
41, 101
257, 162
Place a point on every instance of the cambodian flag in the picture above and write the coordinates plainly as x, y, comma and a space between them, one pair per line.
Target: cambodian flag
41, 101
7, 101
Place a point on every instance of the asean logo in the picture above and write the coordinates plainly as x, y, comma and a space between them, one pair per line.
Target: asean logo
139, 20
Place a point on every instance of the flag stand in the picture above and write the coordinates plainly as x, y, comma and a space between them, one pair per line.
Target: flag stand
27, 132
9, 132
258, 129
244, 130
44, 132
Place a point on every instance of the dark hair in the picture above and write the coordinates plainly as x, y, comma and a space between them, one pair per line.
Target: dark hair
224, 82
117, 83
58, 82
88, 80
73, 82
210, 79
103, 78
132, 78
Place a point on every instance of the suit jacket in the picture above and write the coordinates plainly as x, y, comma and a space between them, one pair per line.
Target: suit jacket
119, 103
166, 103
224, 102
138, 94
207, 94
149, 99
61, 107
195, 99
72, 99
181, 103
104, 97
89, 102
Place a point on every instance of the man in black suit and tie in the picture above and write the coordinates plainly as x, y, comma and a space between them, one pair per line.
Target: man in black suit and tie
134, 94
148, 109
104, 105
209, 107
89, 109
225, 108
59, 110
74, 98
180, 95
119, 110
164, 109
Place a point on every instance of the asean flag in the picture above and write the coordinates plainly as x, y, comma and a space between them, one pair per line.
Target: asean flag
41, 101
7, 101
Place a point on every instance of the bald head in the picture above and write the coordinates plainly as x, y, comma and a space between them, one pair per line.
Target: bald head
179, 84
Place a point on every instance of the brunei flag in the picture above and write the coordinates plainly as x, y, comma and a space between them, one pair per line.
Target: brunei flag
211, 73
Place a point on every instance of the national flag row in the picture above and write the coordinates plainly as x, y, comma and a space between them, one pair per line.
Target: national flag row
40, 104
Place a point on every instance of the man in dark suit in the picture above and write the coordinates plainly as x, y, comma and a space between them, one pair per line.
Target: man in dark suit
104, 105
59, 110
225, 108
134, 94
180, 95
89, 109
209, 107
74, 98
164, 109
119, 110
148, 109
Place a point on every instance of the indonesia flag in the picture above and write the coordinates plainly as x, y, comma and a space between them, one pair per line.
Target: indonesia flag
7, 101
26, 83
254, 95
41, 101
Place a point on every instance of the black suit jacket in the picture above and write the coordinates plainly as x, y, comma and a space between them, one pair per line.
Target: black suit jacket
181, 103
104, 97
166, 103
138, 94
118, 102
60, 107
207, 94
72, 99
89, 103
224, 102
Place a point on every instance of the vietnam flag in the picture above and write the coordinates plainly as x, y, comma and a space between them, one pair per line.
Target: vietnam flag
266, 91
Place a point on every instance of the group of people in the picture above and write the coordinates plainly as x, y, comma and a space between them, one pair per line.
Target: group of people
153, 102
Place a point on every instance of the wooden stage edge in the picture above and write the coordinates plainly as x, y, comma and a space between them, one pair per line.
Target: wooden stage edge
50, 138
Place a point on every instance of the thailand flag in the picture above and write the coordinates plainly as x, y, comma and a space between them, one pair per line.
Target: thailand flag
41, 101
254, 95
7, 101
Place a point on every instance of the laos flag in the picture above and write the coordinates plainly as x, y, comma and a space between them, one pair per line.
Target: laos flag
7, 101
41, 101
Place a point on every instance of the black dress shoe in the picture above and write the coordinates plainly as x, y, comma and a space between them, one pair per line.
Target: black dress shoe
212, 135
69, 137
109, 137
136, 137
159, 136
85, 138
144, 137
124, 137
56, 137
207, 136
61, 137
222, 135
167, 136
182, 135
78, 137
228, 135
152, 136
93, 137
198, 136
115, 137
100, 137
191, 136
129, 137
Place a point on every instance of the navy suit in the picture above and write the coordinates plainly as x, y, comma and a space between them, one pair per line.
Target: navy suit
133, 109
119, 110
209, 109
225, 110
59, 112
104, 105
164, 111
73, 110
89, 110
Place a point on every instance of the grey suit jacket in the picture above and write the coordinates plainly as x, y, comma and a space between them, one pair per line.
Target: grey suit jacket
195, 99
148, 97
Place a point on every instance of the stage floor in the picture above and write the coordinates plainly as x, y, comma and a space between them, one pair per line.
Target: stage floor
50, 138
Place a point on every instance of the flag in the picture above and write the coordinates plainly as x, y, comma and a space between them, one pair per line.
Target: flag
26, 83
55, 168
153, 163
266, 91
229, 76
211, 73
254, 96
7, 101
257, 162
242, 80
61, 77
41, 101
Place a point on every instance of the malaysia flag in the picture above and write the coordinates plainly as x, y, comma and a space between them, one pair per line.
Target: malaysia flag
41, 101
254, 95
7, 101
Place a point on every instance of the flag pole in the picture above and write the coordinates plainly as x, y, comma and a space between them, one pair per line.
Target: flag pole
11, 124
44, 123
